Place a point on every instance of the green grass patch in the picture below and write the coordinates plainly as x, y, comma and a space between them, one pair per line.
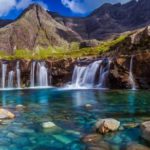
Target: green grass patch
73, 51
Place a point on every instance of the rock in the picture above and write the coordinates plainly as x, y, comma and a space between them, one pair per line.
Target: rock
89, 43
88, 105
48, 125
130, 125
106, 125
145, 127
20, 107
135, 146
92, 138
5, 114
100, 146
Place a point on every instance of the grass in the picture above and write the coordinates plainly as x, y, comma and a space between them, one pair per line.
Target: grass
59, 52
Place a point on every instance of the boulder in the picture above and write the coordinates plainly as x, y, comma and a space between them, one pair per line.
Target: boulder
145, 127
100, 146
48, 125
20, 107
5, 114
107, 125
92, 138
135, 146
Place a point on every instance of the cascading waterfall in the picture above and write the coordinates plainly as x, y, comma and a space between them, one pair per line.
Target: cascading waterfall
11, 79
42, 75
18, 74
131, 76
77, 77
32, 74
4, 71
104, 72
85, 76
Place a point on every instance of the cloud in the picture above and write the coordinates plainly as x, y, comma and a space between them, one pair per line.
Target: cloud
6, 6
86, 6
23, 4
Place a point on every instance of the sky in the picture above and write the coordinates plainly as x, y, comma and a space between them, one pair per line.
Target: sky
10, 9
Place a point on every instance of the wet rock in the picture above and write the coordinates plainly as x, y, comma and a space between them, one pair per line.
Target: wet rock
101, 146
88, 106
130, 125
5, 114
135, 146
20, 107
92, 138
107, 125
145, 127
48, 125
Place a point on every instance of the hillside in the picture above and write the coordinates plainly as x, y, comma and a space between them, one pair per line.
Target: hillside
36, 28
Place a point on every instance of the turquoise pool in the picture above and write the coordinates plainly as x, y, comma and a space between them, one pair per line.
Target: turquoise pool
66, 108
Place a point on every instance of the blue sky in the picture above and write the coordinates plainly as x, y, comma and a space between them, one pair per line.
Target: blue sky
10, 9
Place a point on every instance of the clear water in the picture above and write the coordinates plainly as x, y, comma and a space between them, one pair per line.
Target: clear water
66, 108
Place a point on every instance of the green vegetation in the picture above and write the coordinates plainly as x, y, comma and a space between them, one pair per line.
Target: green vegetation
58, 53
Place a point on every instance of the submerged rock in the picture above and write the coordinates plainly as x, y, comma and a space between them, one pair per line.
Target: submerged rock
106, 125
92, 138
145, 127
5, 114
20, 107
48, 125
88, 106
100, 146
135, 146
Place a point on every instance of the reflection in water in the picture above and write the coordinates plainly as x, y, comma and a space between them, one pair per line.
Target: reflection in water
131, 102
4, 99
81, 98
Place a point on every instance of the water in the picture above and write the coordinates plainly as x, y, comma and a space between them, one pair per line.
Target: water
32, 74
131, 76
42, 74
18, 72
4, 71
67, 110
11, 79
86, 76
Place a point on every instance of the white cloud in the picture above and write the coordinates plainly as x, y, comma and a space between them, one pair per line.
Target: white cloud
23, 4
6, 6
86, 6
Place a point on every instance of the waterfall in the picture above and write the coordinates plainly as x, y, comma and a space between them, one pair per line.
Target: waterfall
77, 77
103, 74
86, 76
11, 79
131, 76
4, 70
32, 74
42, 74
18, 74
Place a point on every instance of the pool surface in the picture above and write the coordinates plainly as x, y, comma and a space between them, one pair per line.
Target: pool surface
66, 108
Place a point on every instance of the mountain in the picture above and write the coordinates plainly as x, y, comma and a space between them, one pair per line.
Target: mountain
4, 22
36, 27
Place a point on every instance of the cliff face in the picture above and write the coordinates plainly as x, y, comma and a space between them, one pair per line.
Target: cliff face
60, 72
